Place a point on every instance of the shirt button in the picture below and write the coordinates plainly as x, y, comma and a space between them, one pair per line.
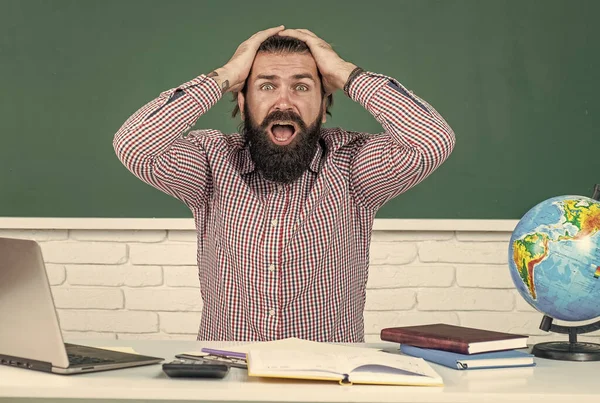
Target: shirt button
274, 222
271, 267
271, 312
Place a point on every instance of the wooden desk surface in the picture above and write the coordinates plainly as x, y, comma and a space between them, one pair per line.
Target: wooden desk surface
550, 381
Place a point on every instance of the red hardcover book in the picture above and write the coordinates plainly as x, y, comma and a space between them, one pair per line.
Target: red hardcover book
464, 340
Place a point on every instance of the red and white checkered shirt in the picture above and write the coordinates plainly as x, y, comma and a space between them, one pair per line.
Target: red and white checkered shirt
292, 260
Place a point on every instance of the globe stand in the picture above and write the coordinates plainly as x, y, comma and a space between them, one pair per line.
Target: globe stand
571, 350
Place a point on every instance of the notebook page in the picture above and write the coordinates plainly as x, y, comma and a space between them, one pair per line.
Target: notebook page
398, 363
377, 374
360, 364
294, 362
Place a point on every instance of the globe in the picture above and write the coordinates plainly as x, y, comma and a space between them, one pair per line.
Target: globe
554, 257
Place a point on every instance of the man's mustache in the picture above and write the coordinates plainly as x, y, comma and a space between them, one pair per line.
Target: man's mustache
283, 115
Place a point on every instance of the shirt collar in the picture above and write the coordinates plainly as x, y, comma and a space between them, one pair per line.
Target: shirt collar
315, 164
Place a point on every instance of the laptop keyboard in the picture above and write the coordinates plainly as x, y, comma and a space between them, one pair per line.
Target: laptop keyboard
75, 359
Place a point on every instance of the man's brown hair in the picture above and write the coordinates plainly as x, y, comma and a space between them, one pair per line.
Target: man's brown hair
281, 45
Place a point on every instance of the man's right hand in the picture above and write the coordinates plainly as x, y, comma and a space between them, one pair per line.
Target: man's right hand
232, 76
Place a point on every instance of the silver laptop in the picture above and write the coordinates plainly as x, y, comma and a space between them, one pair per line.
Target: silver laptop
30, 335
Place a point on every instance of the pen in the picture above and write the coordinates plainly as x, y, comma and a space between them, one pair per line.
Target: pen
224, 353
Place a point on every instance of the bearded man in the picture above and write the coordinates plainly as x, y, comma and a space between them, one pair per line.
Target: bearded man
284, 210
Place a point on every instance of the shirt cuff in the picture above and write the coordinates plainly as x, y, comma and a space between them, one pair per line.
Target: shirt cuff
365, 85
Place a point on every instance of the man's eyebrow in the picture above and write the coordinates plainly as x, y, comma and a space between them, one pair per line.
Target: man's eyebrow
295, 76
303, 75
266, 77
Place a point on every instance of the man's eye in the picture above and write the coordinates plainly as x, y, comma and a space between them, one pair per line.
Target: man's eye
302, 87
267, 87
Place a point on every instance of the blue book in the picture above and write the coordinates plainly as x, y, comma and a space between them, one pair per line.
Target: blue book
495, 359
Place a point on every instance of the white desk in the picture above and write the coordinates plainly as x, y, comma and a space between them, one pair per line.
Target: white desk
548, 382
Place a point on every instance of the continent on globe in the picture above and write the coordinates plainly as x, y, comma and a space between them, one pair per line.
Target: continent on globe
528, 252
584, 216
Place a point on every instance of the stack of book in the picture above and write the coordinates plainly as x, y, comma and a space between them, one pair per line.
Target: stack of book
461, 347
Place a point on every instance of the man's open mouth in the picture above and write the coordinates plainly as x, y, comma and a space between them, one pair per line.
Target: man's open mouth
282, 132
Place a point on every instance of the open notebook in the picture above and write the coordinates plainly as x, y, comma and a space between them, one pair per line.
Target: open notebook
302, 359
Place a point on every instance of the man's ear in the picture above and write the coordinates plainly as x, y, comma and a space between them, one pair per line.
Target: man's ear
324, 109
240, 101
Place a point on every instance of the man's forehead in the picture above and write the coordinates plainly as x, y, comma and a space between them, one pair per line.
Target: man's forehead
284, 65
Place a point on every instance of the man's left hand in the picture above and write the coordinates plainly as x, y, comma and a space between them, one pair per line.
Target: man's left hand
333, 68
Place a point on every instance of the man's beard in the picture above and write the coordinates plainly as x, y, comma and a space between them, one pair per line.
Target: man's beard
283, 164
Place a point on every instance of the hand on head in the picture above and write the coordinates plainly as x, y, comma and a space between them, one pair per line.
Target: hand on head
335, 70
232, 76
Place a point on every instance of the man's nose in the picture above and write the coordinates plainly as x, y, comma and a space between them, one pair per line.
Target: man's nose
283, 102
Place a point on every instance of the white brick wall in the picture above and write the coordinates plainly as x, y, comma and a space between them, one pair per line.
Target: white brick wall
143, 284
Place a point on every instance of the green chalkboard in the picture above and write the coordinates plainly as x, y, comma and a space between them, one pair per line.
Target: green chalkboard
517, 80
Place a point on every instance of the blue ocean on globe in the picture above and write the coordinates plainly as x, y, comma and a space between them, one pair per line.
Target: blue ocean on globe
554, 257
